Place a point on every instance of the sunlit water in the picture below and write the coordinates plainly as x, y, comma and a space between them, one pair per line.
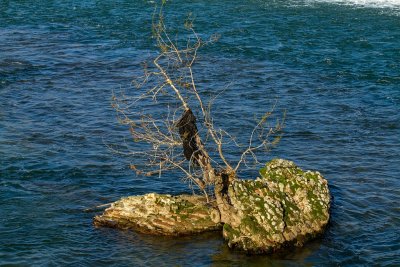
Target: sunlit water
333, 65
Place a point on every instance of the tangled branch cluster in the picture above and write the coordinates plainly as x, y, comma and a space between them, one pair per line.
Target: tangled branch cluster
169, 136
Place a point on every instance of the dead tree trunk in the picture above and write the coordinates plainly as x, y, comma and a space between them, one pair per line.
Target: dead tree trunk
195, 152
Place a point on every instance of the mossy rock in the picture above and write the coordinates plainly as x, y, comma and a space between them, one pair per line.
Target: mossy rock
161, 215
286, 206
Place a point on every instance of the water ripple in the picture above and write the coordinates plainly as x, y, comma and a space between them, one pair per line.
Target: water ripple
332, 65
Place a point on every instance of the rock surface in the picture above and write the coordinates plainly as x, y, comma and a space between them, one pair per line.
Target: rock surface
286, 206
161, 214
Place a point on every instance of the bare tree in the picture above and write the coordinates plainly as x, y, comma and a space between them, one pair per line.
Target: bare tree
170, 136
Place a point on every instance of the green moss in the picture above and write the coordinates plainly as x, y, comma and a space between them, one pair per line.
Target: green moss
250, 224
183, 216
159, 202
281, 197
183, 206
230, 233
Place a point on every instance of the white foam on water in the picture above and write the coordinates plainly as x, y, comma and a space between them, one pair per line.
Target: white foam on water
365, 3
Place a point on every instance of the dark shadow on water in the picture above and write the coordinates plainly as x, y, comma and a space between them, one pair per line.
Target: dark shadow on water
289, 257
183, 250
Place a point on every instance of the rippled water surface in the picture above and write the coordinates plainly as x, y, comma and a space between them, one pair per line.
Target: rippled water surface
333, 65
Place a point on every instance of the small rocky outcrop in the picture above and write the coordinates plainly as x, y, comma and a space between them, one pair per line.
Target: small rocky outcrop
286, 206
161, 214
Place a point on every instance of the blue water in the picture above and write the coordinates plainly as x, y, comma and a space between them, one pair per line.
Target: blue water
333, 65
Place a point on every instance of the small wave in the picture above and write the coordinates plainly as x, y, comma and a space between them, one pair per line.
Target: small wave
365, 3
